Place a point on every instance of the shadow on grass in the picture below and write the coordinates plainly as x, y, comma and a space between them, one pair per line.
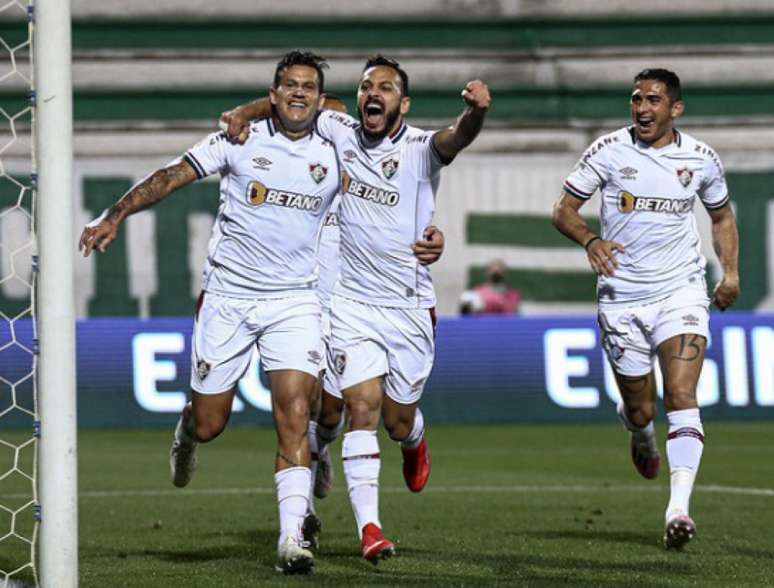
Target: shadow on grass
646, 539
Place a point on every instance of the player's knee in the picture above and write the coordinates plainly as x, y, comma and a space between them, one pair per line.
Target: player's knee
398, 431
209, 427
362, 415
641, 414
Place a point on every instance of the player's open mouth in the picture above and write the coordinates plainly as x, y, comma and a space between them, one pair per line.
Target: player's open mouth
296, 105
374, 114
645, 124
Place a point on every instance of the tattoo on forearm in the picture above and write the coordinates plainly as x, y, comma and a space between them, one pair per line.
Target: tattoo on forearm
149, 191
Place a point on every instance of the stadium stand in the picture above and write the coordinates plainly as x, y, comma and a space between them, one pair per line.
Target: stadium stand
151, 78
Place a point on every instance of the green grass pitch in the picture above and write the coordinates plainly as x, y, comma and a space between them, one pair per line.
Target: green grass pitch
537, 505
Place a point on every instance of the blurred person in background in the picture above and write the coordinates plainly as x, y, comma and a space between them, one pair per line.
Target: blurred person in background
494, 296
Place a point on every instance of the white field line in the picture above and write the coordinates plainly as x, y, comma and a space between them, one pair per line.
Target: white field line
506, 489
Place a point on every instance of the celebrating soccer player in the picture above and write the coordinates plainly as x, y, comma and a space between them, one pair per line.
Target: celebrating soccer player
651, 289
382, 311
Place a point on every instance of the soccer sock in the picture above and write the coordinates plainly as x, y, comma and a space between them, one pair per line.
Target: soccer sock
360, 453
293, 499
417, 431
311, 434
645, 432
684, 447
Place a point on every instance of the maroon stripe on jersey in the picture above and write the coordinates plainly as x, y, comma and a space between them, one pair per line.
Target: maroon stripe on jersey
364, 456
686, 432
199, 303
397, 133
433, 320
575, 192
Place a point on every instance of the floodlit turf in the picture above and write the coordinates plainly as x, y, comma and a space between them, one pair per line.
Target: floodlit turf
506, 505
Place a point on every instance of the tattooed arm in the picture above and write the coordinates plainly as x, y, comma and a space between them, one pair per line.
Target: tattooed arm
100, 232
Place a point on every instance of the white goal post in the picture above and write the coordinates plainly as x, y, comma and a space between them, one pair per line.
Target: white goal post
54, 304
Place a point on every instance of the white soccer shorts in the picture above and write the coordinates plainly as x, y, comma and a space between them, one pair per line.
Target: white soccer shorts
371, 341
286, 331
631, 336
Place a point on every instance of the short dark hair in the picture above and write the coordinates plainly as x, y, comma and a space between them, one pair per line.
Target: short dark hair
668, 78
297, 57
380, 59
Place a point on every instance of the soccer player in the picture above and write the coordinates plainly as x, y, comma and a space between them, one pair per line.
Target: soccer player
382, 311
259, 284
651, 288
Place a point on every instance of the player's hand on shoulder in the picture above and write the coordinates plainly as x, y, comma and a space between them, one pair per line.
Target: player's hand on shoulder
98, 234
428, 250
476, 95
726, 292
602, 256
235, 125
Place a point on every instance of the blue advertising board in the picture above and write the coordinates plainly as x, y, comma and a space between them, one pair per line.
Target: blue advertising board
134, 372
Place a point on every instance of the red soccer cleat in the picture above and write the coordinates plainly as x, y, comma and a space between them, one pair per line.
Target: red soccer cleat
375, 546
416, 466
645, 457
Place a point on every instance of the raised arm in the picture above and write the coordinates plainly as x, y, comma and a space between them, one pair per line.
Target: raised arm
569, 222
725, 241
100, 232
450, 141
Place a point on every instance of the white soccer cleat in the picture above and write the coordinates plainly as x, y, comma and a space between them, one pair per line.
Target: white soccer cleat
679, 531
182, 458
294, 557
323, 478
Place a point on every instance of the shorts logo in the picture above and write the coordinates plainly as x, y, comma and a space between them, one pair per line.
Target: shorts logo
389, 168
318, 172
314, 357
627, 173
690, 321
340, 362
202, 369
685, 176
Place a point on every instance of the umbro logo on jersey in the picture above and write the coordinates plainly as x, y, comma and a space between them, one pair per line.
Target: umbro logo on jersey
349, 156
261, 163
315, 357
628, 202
367, 192
318, 172
258, 194
685, 176
389, 168
627, 173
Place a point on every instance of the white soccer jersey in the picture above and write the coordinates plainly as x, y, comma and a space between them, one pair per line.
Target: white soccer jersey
328, 255
388, 198
274, 196
648, 196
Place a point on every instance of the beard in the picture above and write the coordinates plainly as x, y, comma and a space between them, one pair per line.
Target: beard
389, 121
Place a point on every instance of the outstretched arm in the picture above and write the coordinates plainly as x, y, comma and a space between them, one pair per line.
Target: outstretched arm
100, 232
570, 223
450, 141
725, 241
